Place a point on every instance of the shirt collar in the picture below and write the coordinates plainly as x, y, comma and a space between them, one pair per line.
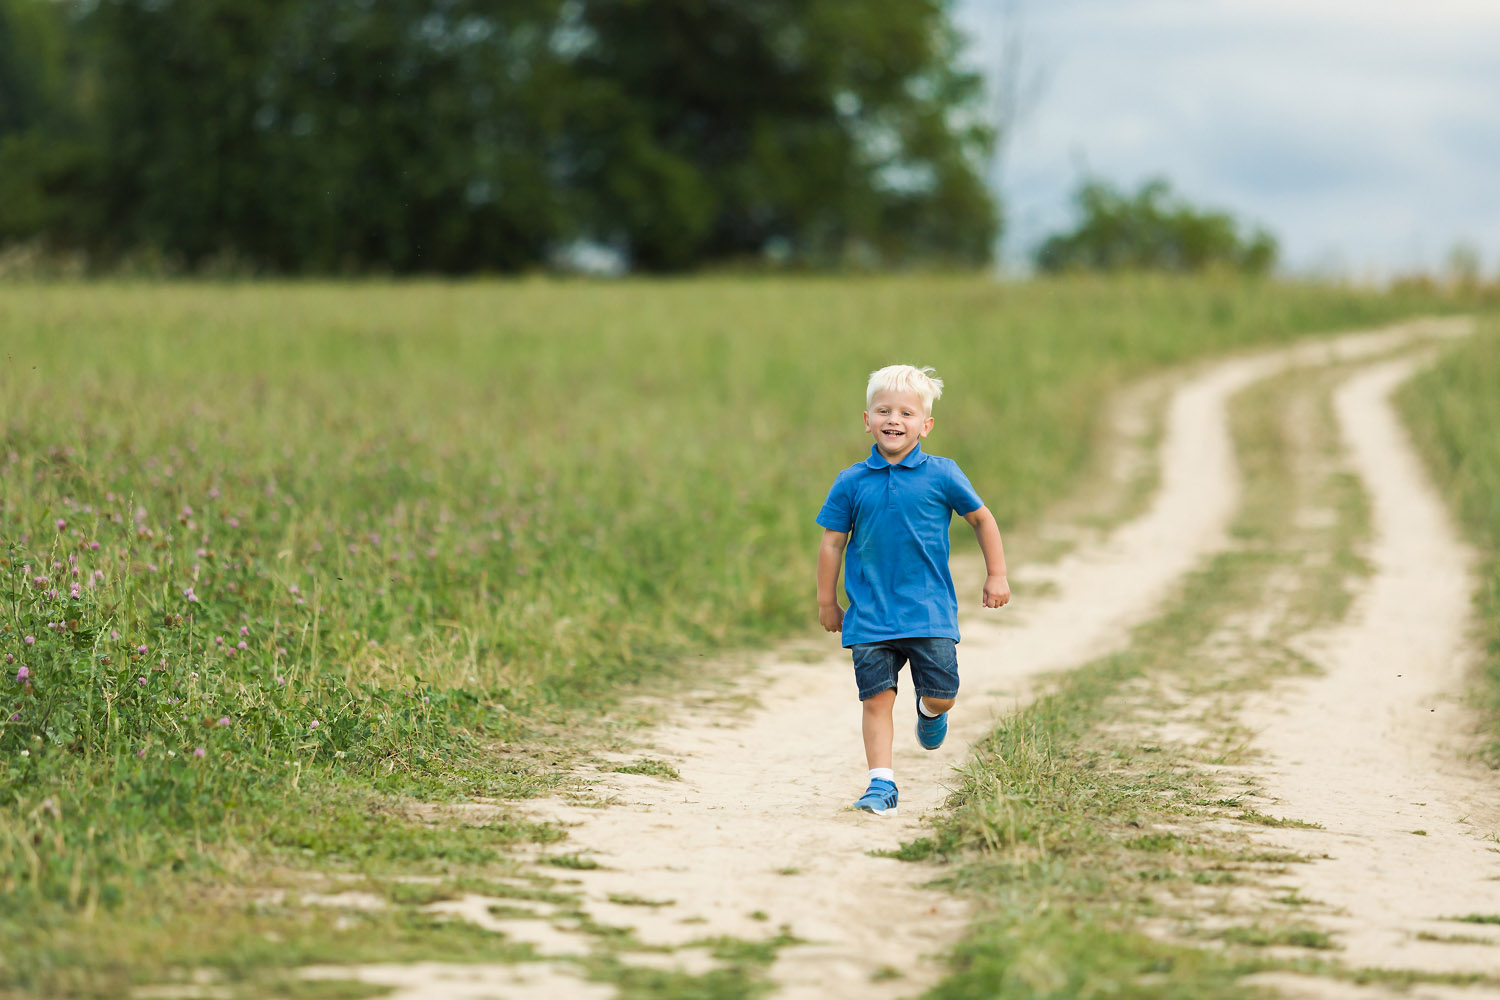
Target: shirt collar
913, 458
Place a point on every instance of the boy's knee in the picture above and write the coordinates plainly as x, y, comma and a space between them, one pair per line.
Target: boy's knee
938, 705
880, 701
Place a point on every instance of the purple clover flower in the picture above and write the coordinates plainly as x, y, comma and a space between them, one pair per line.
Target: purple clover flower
198, 752
29, 639
224, 721
22, 674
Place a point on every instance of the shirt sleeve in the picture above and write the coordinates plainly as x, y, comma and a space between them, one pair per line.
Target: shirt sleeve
960, 493
838, 510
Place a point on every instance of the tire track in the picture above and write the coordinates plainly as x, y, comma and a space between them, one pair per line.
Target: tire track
1376, 748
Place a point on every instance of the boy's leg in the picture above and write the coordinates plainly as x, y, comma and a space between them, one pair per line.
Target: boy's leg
934, 674
876, 665
878, 727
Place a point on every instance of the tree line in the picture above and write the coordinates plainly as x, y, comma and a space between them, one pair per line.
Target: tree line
456, 136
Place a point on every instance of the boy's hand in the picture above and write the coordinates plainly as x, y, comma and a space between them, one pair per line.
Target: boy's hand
996, 591
831, 617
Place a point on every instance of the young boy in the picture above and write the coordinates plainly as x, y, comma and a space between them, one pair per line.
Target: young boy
895, 507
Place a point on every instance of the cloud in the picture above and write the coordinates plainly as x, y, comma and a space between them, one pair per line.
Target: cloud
1362, 130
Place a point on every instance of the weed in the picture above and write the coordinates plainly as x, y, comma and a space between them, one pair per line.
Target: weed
916, 850
627, 900
1251, 816
655, 768
1265, 937
1454, 938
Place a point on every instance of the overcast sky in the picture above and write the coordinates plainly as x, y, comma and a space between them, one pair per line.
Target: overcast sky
1364, 133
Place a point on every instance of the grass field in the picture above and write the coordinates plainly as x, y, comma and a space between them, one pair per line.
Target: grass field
279, 558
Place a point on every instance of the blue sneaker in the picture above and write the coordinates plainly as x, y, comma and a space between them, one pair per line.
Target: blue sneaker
931, 732
879, 798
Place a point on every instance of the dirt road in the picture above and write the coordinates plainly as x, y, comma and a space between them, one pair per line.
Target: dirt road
755, 840
1374, 749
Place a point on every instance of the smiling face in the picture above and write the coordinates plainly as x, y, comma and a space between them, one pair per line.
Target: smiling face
897, 421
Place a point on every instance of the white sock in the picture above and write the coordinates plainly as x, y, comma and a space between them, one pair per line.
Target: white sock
922, 707
883, 772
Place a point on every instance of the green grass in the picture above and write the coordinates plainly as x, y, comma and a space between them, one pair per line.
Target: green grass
1283, 936
339, 546
1453, 410
1262, 819
648, 766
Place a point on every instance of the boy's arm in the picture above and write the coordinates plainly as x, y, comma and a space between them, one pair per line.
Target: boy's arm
830, 559
996, 587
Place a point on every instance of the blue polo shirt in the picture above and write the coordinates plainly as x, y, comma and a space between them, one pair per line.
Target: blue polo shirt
896, 564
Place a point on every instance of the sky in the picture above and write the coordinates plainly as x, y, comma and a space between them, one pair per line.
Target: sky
1365, 134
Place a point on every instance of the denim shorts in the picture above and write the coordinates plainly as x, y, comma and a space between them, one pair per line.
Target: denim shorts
934, 665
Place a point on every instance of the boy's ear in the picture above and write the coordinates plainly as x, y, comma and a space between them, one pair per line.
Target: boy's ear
927, 427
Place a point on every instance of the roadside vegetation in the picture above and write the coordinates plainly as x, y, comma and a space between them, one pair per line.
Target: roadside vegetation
1454, 410
281, 560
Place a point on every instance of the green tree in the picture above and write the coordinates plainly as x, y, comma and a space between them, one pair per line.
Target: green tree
48, 161
817, 129
461, 135
322, 135
1153, 229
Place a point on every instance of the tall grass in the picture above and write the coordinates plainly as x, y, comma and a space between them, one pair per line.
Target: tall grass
1454, 411
265, 544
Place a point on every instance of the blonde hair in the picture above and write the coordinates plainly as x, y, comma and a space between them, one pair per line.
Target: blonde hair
905, 378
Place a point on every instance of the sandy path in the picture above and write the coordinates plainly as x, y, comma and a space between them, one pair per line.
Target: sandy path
1373, 749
